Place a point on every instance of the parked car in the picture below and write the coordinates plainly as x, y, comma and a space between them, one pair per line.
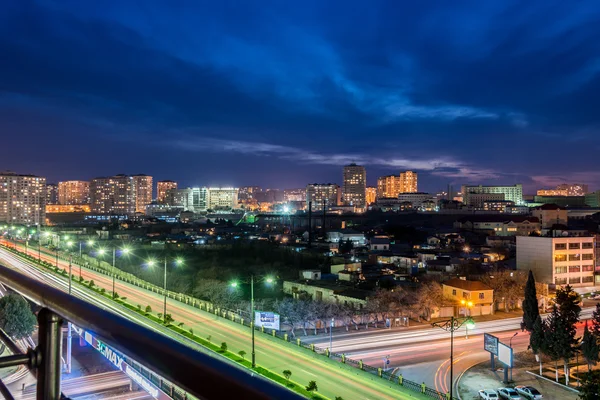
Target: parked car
508, 393
488, 394
529, 392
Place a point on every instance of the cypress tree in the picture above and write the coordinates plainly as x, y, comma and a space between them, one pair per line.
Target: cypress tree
589, 348
596, 322
531, 311
569, 309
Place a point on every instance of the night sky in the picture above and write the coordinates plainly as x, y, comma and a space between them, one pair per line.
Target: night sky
284, 93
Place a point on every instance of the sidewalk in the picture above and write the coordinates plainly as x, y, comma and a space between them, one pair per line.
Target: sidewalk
480, 377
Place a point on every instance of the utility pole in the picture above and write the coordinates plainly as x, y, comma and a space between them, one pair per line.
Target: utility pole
309, 224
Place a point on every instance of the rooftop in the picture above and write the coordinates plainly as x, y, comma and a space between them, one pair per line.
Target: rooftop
467, 285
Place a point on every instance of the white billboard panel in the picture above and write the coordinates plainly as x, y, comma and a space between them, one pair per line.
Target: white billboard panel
505, 355
269, 320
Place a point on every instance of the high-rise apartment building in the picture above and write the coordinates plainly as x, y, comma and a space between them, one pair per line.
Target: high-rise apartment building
51, 193
388, 187
112, 195
355, 185
391, 186
511, 193
22, 199
408, 182
558, 260
222, 198
165, 191
319, 193
573, 189
142, 192
371, 195
73, 192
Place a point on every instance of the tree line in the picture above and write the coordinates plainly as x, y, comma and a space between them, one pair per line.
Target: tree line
555, 337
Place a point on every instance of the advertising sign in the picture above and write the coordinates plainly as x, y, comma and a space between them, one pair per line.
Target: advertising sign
505, 355
490, 343
117, 360
269, 320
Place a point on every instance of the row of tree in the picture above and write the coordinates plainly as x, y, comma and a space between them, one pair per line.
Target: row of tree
555, 337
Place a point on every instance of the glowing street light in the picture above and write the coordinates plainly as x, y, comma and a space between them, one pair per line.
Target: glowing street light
452, 325
151, 263
235, 284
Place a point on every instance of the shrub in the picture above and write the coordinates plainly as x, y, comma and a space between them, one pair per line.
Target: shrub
312, 387
242, 354
223, 347
287, 373
148, 309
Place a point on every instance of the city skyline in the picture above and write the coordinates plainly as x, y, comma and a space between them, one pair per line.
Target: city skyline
281, 96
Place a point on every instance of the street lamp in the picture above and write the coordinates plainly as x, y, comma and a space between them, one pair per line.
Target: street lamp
124, 250
152, 263
451, 325
468, 305
510, 345
267, 280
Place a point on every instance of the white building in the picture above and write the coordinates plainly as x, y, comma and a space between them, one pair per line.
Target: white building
341, 236
222, 198
191, 199
22, 199
513, 193
416, 199
558, 260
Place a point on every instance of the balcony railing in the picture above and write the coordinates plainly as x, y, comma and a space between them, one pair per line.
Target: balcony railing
201, 375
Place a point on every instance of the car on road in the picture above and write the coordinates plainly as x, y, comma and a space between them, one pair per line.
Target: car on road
488, 394
508, 393
529, 392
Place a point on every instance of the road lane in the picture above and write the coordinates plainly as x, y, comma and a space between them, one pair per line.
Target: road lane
333, 379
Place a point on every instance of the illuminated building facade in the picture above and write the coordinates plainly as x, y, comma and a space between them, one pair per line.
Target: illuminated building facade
319, 193
371, 195
512, 193
222, 198
355, 185
565, 189
388, 187
120, 194
290, 195
391, 186
22, 199
408, 182
71, 208
142, 192
558, 260
165, 191
73, 192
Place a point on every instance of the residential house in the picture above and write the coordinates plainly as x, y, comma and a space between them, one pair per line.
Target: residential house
470, 297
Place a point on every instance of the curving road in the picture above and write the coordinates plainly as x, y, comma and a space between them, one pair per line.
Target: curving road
333, 379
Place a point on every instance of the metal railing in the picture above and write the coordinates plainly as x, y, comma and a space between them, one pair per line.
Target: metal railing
201, 375
244, 319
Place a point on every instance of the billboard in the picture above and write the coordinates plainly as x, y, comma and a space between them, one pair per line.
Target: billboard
490, 343
269, 320
505, 355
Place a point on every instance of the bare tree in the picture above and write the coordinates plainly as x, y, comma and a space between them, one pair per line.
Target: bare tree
428, 297
509, 286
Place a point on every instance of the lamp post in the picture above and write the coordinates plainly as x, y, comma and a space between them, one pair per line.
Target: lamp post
468, 305
510, 345
451, 325
124, 250
90, 243
151, 263
69, 325
268, 280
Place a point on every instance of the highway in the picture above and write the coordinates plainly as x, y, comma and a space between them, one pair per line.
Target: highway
85, 385
332, 378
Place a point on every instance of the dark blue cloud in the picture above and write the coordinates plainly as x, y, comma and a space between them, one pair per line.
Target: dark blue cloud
283, 93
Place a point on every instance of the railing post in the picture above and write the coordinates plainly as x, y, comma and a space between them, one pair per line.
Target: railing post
49, 355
